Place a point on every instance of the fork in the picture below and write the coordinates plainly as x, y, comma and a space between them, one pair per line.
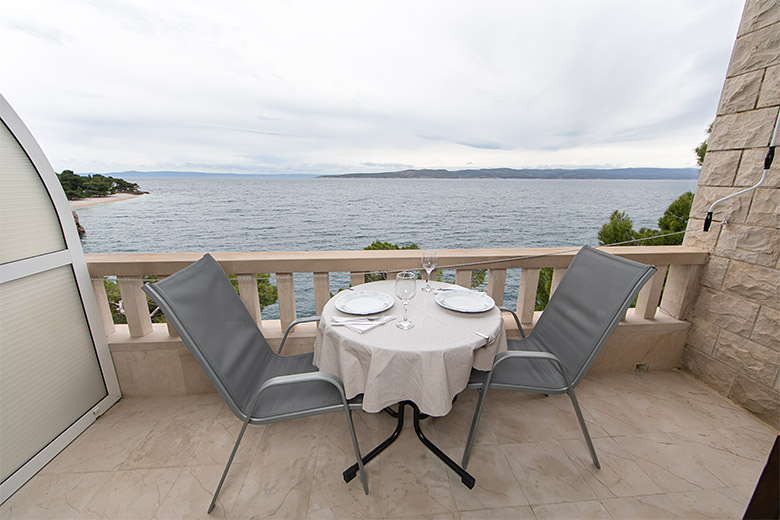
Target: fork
375, 318
485, 336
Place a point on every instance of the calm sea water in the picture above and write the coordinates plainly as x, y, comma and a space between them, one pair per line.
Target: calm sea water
255, 214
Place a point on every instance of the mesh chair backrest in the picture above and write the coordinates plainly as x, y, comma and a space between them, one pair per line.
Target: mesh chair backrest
204, 308
588, 304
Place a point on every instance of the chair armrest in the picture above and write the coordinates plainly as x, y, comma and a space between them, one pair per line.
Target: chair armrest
517, 320
293, 324
529, 354
292, 379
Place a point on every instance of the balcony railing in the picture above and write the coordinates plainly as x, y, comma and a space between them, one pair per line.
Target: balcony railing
150, 359
681, 263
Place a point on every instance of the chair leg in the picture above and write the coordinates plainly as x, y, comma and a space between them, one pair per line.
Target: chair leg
357, 450
588, 441
227, 466
474, 424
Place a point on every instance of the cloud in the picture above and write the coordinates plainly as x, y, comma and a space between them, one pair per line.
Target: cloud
348, 84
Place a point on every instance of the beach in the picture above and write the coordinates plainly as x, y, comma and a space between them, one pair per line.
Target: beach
94, 201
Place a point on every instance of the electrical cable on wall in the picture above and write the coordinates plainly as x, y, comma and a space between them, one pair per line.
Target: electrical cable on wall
770, 155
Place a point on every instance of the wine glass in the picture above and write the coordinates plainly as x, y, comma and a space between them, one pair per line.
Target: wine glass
429, 264
405, 287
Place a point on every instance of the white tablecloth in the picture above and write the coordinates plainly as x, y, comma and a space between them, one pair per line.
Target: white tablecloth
428, 364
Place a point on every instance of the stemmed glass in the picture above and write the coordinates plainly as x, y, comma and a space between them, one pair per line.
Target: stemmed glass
429, 264
405, 287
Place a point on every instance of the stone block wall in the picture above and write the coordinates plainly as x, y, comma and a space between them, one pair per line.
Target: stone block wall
734, 343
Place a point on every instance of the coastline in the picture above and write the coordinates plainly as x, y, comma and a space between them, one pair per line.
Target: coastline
94, 201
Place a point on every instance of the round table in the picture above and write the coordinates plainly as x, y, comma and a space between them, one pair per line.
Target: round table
428, 364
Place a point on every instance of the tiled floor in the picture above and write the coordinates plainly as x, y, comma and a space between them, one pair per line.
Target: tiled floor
669, 448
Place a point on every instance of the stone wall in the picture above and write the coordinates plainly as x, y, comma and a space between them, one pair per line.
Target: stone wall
734, 344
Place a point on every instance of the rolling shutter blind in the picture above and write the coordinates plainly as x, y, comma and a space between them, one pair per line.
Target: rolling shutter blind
56, 374
49, 373
28, 223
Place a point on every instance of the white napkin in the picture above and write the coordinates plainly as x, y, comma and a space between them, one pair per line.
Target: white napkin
360, 325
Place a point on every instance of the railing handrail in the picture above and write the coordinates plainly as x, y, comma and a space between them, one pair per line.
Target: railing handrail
164, 264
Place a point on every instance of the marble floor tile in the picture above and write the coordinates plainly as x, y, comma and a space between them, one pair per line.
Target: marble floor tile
131, 494
52, 496
560, 420
276, 489
657, 507
170, 443
669, 448
753, 444
132, 409
191, 494
572, 510
104, 446
617, 415
507, 513
708, 503
495, 485
546, 473
335, 431
218, 438
452, 430
670, 465
279, 480
619, 475
289, 440
723, 459
513, 422
416, 483
332, 498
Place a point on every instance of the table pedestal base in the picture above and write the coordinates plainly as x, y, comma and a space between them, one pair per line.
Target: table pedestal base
467, 479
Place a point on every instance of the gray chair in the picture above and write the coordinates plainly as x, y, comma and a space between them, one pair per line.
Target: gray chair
582, 313
258, 385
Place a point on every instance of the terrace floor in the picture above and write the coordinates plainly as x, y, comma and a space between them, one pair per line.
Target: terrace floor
669, 448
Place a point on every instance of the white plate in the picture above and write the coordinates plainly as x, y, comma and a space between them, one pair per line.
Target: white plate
465, 301
363, 302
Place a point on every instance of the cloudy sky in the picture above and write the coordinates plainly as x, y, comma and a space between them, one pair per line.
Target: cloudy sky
350, 86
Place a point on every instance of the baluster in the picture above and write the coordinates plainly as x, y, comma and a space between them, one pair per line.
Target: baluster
286, 290
321, 291
496, 283
647, 301
526, 294
99, 288
463, 278
247, 290
171, 331
680, 290
558, 273
136, 308
356, 279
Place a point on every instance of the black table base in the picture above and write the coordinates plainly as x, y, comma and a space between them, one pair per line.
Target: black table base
351, 472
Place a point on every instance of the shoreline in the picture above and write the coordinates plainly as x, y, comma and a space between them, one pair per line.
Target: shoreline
94, 201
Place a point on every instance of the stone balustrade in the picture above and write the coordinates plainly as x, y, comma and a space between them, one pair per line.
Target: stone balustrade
151, 360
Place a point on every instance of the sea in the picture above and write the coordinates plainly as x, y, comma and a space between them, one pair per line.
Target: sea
303, 214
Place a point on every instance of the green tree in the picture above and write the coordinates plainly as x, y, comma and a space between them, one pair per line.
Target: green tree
620, 228
674, 220
477, 275
543, 289
80, 186
379, 245
701, 150
267, 293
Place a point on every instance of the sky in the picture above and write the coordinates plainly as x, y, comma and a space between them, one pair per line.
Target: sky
331, 87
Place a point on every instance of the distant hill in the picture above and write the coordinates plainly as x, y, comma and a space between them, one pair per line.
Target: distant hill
198, 175
489, 173
510, 173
